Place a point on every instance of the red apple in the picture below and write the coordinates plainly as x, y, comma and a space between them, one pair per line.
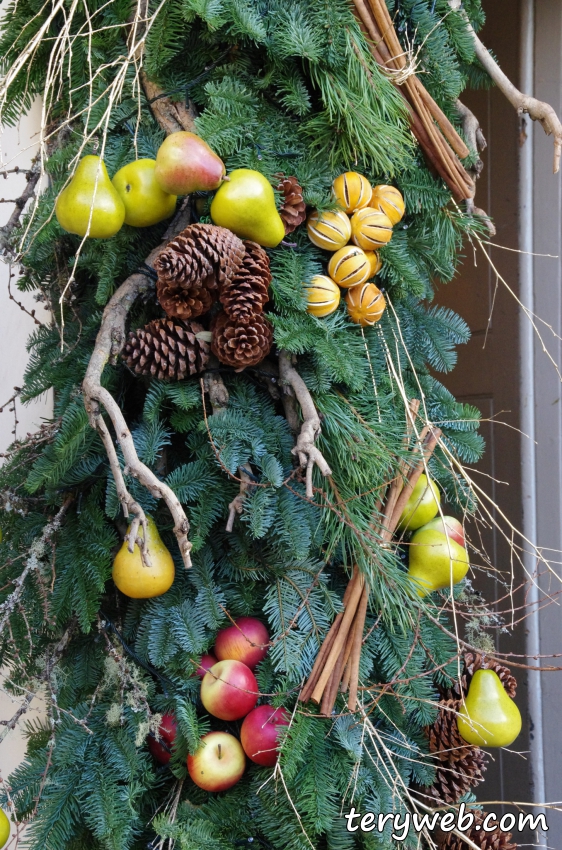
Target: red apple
219, 762
229, 690
207, 661
450, 526
247, 641
185, 164
161, 747
260, 731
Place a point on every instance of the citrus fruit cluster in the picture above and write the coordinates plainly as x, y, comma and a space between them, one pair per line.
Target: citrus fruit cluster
353, 233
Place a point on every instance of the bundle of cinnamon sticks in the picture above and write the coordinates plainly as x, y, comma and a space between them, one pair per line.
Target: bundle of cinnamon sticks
437, 137
337, 664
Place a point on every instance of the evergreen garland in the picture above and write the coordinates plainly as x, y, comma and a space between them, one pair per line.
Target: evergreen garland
279, 86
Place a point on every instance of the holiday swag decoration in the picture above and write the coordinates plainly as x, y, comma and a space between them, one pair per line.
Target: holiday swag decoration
230, 560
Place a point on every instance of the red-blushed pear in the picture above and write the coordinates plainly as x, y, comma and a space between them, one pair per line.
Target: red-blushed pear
247, 640
229, 690
185, 164
205, 663
450, 526
161, 747
435, 561
219, 763
260, 733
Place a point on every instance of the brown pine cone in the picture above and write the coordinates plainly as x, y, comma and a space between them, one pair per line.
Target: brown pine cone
474, 661
245, 295
444, 737
184, 302
454, 779
202, 253
167, 350
293, 209
496, 840
241, 345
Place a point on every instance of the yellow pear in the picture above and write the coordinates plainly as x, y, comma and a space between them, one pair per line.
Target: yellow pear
145, 202
245, 204
84, 197
138, 581
435, 560
422, 505
4, 829
488, 717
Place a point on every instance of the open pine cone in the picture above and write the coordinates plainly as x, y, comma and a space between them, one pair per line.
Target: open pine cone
245, 294
202, 253
496, 840
454, 779
293, 209
167, 350
475, 661
445, 740
241, 345
184, 302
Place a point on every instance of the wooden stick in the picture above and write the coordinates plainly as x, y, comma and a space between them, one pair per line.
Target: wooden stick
356, 648
327, 643
339, 641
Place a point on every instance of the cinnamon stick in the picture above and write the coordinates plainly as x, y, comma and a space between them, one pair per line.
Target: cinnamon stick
331, 692
327, 643
356, 648
339, 642
450, 133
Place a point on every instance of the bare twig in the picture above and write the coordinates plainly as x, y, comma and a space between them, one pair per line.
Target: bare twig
214, 386
538, 110
33, 177
305, 449
237, 504
32, 563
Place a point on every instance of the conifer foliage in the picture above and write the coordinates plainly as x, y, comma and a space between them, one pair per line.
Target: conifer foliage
284, 87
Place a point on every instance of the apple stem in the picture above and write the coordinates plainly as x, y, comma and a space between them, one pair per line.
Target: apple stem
220, 750
226, 179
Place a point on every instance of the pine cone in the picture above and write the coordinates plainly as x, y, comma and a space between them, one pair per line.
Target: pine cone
184, 302
245, 295
454, 779
445, 740
495, 840
241, 345
474, 661
167, 350
202, 253
293, 209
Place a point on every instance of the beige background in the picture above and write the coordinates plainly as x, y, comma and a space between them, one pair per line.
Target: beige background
17, 146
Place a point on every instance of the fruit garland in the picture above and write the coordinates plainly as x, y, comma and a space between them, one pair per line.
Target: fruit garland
354, 233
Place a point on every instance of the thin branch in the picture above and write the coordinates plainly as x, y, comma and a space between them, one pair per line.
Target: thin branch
307, 453
538, 110
237, 504
33, 177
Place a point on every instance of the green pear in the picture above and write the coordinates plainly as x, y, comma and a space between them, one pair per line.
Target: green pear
435, 560
245, 204
422, 505
450, 526
145, 201
84, 197
488, 717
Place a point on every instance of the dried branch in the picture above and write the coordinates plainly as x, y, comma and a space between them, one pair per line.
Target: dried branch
53, 659
237, 504
538, 110
307, 453
171, 116
33, 177
110, 340
36, 553
214, 386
